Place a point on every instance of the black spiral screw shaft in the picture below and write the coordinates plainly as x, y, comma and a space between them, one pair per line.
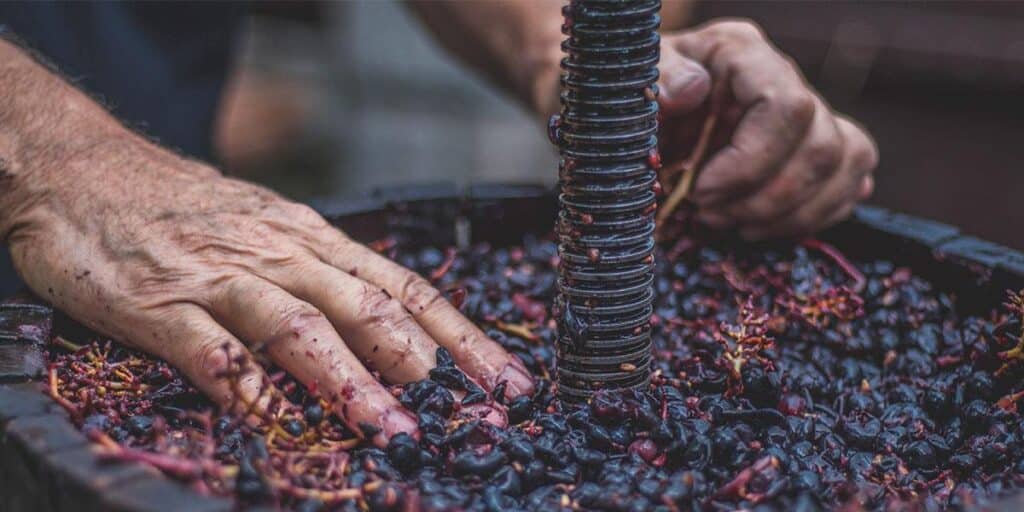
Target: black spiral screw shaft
607, 137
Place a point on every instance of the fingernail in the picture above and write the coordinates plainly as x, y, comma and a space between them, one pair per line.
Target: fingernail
487, 413
518, 379
397, 421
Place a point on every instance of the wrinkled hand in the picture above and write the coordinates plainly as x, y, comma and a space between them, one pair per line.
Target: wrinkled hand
172, 257
781, 162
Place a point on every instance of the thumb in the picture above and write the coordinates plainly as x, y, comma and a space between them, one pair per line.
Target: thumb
684, 83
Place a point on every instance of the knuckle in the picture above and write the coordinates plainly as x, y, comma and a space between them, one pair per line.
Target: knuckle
301, 320
797, 107
234, 237
304, 215
419, 294
213, 358
380, 306
742, 29
823, 158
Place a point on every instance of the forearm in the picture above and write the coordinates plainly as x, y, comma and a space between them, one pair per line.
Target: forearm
513, 44
53, 138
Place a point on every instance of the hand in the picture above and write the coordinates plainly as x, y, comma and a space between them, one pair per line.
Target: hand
168, 255
781, 162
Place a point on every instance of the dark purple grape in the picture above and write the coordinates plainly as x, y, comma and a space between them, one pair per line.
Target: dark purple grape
404, 453
471, 463
920, 455
139, 425
314, 414
882, 410
294, 427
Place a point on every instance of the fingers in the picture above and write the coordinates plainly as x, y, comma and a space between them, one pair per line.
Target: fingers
479, 356
850, 184
684, 84
300, 339
791, 165
778, 113
815, 161
778, 108
376, 326
189, 339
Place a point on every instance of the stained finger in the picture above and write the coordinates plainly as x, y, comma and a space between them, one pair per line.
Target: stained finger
481, 357
300, 339
214, 360
380, 330
375, 325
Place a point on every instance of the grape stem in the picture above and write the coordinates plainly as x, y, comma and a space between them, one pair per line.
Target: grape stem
859, 281
690, 167
1015, 305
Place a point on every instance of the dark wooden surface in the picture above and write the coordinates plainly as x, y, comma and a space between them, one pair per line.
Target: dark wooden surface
48, 465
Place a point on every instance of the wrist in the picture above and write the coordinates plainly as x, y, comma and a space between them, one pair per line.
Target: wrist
38, 179
50, 133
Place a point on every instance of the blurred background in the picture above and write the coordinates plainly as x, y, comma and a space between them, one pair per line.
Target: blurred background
351, 95
332, 98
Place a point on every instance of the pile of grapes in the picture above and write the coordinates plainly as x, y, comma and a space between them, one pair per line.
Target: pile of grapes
784, 378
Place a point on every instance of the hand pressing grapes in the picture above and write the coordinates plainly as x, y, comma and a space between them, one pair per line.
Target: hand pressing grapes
781, 162
168, 255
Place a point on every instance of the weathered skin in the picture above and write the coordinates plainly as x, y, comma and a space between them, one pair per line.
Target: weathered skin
180, 261
168, 255
783, 163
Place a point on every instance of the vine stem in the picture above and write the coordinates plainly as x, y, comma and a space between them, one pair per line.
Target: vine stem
690, 167
851, 270
177, 467
53, 389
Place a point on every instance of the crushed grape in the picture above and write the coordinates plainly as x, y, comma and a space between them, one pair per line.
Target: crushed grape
776, 385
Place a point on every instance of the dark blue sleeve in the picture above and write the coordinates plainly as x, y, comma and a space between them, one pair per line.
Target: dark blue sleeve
159, 66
